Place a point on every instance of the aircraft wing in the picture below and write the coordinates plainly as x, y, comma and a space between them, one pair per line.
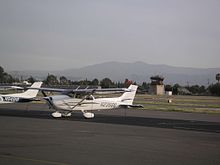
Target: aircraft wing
10, 87
108, 90
85, 90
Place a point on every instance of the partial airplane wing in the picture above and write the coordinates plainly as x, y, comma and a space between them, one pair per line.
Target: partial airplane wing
10, 87
86, 90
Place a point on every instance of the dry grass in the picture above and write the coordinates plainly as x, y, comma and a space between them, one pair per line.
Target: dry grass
199, 104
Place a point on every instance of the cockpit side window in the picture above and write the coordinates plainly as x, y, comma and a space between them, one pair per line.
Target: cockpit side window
90, 97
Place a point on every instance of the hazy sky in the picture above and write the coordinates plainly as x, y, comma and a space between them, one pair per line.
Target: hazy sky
61, 34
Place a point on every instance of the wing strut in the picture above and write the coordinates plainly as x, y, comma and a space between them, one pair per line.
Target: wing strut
76, 104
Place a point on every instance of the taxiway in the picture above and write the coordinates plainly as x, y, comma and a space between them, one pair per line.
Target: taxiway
29, 135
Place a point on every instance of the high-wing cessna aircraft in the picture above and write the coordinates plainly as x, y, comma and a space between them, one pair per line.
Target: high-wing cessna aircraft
27, 96
65, 105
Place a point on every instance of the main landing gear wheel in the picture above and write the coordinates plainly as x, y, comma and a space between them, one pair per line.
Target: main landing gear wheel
88, 115
58, 114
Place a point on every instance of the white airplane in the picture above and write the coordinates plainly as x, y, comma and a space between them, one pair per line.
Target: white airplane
65, 105
27, 96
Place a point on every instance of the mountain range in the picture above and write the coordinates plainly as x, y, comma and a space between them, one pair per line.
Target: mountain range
137, 71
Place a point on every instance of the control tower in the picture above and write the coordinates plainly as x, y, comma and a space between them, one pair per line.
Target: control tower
157, 86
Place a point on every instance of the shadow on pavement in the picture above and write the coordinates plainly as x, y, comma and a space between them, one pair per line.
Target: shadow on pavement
204, 126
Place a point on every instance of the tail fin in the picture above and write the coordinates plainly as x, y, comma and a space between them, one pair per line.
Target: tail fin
128, 97
31, 93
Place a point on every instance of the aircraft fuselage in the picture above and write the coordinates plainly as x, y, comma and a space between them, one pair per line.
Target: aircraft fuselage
12, 99
79, 105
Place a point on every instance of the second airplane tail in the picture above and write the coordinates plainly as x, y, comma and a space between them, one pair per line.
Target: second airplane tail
31, 93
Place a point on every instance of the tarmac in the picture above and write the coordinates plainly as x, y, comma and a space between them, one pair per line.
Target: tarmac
29, 135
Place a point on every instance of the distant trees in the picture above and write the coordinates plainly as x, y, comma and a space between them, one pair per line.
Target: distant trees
217, 77
127, 83
186, 90
95, 82
196, 89
144, 87
1, 73
213, 89
64, 80
168, 88
106, 83
175, 89
31, 79
51, 80
5, 77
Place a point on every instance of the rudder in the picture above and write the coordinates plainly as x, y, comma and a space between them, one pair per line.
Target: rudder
128, 97
33, 92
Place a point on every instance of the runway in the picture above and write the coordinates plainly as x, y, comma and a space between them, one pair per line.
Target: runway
29, 135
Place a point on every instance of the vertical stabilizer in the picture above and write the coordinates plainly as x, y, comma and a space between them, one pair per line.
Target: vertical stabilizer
128, 97
31, 93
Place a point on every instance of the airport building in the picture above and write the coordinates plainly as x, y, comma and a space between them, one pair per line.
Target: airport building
157, 86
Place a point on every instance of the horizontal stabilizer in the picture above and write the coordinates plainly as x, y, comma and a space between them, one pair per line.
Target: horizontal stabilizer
136, 106
132, 106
